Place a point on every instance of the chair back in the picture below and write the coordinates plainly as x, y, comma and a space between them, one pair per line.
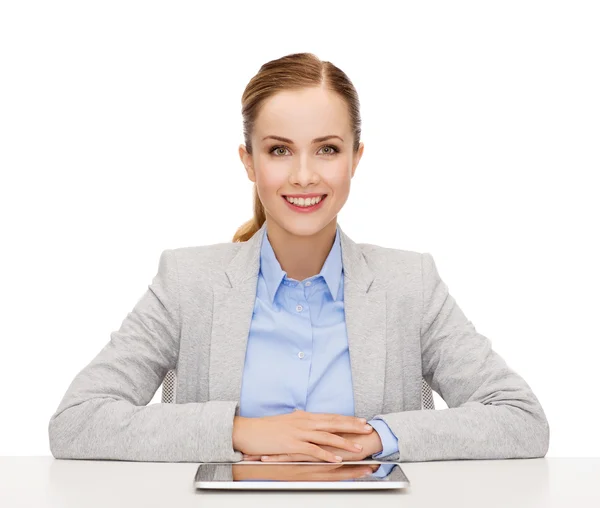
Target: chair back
426, 396
169, 386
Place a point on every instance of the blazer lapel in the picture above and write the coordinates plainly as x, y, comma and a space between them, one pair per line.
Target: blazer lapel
365, 312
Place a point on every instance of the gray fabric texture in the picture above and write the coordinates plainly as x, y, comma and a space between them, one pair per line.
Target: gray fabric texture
195, 317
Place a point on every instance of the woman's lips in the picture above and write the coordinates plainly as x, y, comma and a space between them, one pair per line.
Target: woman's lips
306, 209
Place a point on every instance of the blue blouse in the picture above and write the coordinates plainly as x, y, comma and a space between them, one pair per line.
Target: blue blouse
297, 354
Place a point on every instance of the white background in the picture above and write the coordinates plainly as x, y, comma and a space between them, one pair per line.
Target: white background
120, 124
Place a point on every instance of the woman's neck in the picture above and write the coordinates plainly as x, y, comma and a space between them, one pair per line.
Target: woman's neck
301, 257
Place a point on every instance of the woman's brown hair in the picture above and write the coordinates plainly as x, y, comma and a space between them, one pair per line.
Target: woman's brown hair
291, 72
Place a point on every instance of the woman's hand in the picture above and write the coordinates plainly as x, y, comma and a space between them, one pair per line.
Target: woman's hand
371, 444
312, 435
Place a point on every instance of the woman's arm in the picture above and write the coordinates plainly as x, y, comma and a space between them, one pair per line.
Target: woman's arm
492, 412
104, 413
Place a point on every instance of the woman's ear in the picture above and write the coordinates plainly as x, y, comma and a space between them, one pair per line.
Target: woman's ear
246, 159
356, 157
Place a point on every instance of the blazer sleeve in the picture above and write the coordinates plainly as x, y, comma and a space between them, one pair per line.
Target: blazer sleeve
104, 413
492, 412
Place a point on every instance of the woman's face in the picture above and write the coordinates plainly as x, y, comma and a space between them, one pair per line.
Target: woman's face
301, 165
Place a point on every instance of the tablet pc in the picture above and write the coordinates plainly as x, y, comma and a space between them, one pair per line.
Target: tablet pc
257, 475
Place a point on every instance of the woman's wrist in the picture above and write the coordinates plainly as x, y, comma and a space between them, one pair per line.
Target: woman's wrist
375, 444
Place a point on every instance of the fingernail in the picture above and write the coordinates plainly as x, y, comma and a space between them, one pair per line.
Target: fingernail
338, 458
368, 427
265, 457
357, 446
363, 420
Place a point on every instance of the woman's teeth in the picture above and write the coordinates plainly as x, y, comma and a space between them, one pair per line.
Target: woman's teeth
304, 202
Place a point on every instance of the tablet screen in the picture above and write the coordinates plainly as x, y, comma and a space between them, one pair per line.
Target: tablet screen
264, 475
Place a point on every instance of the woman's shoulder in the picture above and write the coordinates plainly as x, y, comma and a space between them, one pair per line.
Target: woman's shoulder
204, 260
218, 251
390, 256
400, 268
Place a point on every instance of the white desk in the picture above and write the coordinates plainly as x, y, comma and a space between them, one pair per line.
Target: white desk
549, 482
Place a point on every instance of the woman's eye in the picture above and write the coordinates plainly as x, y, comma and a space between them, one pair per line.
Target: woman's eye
277, 148
331, 150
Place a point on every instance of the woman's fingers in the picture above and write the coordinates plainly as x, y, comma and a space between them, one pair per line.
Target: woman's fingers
319, 453
287, 457
333, 440
335, 423
293, 457
278, 458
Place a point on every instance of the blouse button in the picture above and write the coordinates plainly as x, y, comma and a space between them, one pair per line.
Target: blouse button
299, 308
300, 354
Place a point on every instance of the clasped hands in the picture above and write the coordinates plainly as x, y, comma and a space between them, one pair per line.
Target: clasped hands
319, 428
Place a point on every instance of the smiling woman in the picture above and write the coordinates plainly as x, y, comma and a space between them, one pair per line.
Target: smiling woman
302, 129
292, 337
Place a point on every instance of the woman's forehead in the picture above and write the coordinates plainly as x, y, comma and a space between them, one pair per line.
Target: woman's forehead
302, 117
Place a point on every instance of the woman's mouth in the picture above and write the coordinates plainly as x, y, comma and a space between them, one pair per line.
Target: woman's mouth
306, 209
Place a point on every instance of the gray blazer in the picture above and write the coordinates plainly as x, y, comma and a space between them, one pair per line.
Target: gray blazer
402, 325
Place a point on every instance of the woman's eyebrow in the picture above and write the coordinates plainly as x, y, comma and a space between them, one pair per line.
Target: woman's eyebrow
316, 140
